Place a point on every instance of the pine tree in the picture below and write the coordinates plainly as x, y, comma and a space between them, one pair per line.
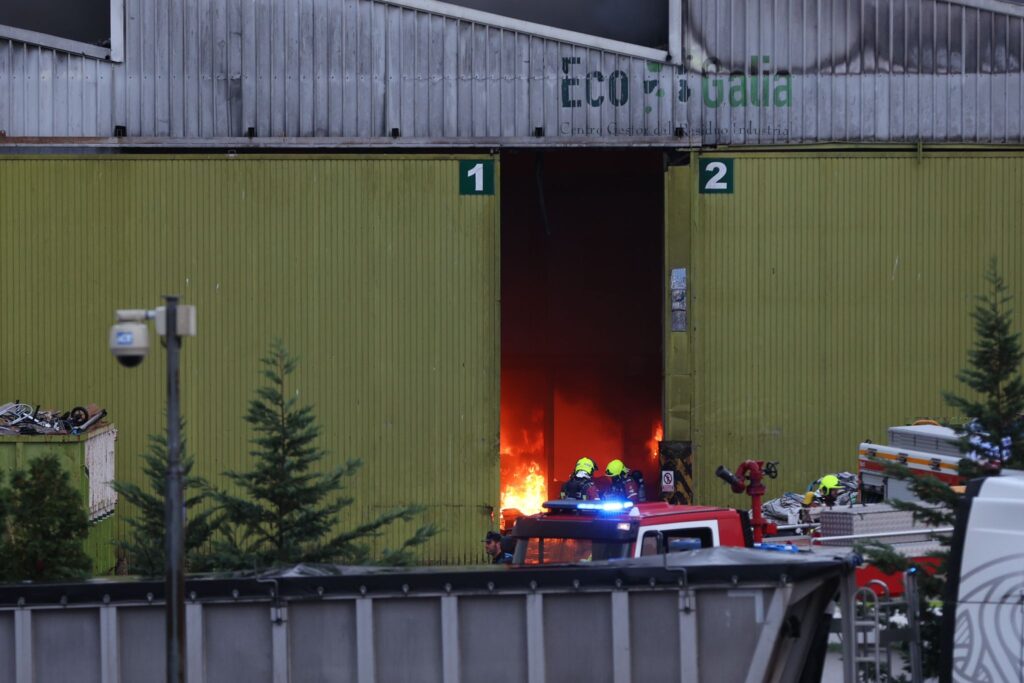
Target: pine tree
46, 525
993, 436
145, 548
288, 511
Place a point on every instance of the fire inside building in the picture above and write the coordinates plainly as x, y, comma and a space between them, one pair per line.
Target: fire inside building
581, 318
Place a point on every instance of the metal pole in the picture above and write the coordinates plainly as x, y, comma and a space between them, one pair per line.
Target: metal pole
174, 514
914, 619
848, 613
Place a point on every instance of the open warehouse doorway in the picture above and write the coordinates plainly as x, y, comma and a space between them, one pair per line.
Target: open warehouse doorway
581, 330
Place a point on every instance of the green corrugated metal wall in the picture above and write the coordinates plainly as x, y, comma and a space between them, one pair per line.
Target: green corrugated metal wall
374, 270
830, 299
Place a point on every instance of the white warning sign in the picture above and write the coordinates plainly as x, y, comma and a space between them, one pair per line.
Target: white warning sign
668, 481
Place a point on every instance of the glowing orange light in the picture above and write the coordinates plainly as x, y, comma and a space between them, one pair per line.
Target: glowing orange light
524, 482
526, 491
652, 443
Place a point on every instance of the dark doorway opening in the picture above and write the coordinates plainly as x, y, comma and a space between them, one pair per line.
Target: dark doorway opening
581, 331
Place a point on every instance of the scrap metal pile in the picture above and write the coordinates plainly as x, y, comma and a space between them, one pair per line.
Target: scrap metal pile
18, 419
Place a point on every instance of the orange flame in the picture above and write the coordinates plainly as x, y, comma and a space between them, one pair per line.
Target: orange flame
652, 443
527, 491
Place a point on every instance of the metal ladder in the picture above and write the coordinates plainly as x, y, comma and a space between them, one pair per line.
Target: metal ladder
874, 636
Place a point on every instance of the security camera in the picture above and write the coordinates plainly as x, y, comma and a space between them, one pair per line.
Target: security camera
129, 342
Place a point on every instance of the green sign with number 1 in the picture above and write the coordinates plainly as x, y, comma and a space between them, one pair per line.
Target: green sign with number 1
476, 177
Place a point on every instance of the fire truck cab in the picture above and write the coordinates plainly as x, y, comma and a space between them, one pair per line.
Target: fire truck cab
581, 531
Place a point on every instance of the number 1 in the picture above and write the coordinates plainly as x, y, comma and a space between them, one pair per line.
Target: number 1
477, 174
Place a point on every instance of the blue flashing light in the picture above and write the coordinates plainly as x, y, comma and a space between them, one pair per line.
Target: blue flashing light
609, 506
590, 505
777, 547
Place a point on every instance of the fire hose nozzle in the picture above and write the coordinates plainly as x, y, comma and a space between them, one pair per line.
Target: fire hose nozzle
728, 477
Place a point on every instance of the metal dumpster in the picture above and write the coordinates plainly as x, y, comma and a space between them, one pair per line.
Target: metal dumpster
720, 614
89, 460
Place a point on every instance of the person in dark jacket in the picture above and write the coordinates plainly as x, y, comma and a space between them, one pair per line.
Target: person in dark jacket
492, 546
581, 484
626, 484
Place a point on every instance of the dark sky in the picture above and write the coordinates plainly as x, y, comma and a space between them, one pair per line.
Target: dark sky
87, 21
644, 22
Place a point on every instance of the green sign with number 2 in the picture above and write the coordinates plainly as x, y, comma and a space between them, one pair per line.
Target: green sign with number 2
716, 176
476, 177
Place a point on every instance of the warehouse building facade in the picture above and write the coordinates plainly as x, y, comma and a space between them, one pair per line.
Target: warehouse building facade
499, 245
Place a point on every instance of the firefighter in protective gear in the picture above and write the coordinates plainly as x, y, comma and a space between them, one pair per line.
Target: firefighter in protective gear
626, 484
829, 489
832, 490
581, 484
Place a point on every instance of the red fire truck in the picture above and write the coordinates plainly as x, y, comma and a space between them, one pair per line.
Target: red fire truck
585, 530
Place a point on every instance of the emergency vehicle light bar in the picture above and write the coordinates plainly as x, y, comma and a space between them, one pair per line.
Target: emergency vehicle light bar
589, 505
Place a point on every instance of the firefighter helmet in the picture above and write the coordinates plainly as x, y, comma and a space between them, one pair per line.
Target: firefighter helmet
615, 468
829, 482
585, 465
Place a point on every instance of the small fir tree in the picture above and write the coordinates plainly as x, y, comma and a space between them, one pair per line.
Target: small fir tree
145, 547
993, 436
288, 511
46, 525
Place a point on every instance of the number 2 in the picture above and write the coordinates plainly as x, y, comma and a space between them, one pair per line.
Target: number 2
715, 182
477, 174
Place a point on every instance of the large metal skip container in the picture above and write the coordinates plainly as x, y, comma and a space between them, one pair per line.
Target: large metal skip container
720, 614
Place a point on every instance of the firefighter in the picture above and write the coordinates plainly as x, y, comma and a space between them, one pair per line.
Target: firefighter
626, 484
829, 489
832, 490
581, 484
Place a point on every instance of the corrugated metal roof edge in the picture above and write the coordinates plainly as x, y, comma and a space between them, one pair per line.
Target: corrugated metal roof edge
18, 144
278, 147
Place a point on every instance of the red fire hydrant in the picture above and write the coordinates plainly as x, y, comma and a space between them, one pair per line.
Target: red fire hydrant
755, 471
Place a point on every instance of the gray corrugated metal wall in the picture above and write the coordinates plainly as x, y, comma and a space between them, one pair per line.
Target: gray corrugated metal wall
859, 70
375, 271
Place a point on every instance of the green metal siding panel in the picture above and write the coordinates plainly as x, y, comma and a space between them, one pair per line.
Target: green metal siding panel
678, 387
831, 297
372, 269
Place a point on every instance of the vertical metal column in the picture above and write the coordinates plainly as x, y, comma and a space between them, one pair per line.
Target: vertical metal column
535, 664
450, 638
110, 659
366, 665
195, 645
689, 647
23, 663
622, 651
279, 641
914, 619
847, 591
675, 31
174, 513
